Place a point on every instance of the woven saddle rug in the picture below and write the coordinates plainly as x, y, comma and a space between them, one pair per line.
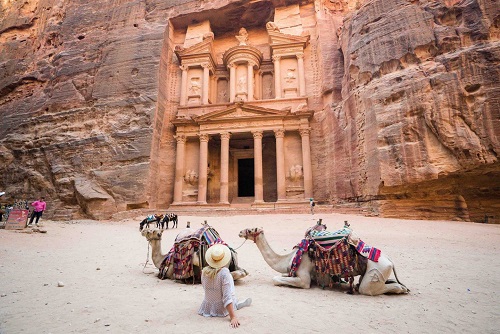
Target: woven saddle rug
332, 252
328, 239
182, 252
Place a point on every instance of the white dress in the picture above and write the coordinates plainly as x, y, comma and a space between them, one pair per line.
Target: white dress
219, 292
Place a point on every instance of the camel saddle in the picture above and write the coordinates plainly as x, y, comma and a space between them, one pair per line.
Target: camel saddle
335, 254
182, 252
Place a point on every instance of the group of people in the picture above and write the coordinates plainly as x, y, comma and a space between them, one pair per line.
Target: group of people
39, 207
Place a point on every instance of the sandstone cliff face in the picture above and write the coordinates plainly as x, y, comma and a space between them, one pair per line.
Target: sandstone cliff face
419, 108
407, 120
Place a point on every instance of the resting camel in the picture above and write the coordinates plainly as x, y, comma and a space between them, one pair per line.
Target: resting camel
374, 278
154, 238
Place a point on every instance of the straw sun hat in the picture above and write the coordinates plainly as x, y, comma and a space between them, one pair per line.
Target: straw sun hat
218, 255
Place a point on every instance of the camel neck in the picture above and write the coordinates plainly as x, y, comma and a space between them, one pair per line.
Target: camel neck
278, 262
156, 254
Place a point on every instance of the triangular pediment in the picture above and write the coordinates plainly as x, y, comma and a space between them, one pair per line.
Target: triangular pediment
241, 112
279, 38
203, 47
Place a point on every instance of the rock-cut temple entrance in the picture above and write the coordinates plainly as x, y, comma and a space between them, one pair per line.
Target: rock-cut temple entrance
242, 122
246, 178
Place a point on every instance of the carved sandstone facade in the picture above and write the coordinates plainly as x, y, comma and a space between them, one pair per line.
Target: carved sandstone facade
242, 120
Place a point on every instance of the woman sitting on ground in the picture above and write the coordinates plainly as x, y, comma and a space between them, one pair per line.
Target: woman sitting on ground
218, 284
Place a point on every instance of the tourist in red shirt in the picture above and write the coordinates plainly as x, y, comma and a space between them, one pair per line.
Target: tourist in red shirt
38, 208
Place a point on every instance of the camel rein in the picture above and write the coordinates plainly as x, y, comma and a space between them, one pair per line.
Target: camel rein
147, 258
241, 244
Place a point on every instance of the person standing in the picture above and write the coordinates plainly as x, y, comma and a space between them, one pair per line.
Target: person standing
39, 207
312, 205
218, 284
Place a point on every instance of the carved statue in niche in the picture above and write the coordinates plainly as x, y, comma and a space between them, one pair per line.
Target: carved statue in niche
242, 84
195, 87
295, 173
210, 173
191, 177
242, 36
268, 93
290, 76
222, 97
222, 94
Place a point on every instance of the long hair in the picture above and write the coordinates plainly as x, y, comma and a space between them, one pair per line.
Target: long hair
210, 272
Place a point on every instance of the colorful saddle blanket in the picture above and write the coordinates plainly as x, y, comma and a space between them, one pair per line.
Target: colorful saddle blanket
327, 239
332, 252
182, 252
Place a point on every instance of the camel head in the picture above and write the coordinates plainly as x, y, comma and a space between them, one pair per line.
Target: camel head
251, 233
151, 234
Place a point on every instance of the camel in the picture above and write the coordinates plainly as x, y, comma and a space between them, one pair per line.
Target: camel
149, 219
154, 238
376, 274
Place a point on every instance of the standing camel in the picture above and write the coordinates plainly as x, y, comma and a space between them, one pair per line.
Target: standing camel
154, 238
374, 275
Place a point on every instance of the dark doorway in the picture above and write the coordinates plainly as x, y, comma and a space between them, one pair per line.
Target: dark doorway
246, 186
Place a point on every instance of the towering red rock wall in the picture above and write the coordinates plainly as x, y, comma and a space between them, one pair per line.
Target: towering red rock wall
407, 119
419, 108
78, 92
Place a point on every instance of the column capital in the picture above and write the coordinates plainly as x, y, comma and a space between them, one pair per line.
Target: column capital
300, 56
207, 65
257, 134
276, 58
279, 133
305, 132
204, 137
184, 67
180, 138
231, 65
225, 135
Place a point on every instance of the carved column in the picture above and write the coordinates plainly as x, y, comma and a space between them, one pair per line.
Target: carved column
280, 163
302, 78
232, 82
203, 179
259, 182
184, 80
250, 88
224, 167
277, 76
259, 85
179, 168
306, 162
206, 83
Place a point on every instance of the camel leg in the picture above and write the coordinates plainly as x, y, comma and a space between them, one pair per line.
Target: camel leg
303, 278
239, 274
298, 282
374, 280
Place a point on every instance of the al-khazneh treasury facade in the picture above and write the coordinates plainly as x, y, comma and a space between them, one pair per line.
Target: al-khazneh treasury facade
242, 124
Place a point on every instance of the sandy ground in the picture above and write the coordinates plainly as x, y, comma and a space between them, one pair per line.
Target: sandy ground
451, 268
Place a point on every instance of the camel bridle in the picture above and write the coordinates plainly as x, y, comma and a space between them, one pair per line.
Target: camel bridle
155, 237
253, 234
